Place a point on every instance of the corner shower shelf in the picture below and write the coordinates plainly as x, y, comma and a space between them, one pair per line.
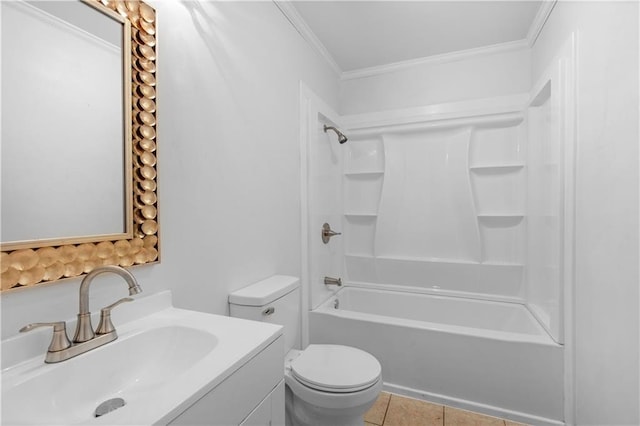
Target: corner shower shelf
500, 215
364, 172
361, 214
500, 220
411, 259
497, 168
428, 260
494, 263
360, 255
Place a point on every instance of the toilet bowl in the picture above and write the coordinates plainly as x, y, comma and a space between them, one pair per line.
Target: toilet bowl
332, 385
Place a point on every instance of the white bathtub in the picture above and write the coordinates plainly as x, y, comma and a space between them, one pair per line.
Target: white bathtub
491, 357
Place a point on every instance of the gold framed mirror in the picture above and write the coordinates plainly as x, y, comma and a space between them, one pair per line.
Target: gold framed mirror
133, 240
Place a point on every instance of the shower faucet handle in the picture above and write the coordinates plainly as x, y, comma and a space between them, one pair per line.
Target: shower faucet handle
327, 233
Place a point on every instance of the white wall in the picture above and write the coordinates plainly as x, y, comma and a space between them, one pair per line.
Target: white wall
228, 152
448, 80
230, 163
606, 269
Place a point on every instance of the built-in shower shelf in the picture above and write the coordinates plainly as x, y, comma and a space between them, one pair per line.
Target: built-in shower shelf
360, 255
500, 220
363, 214
490, 216
492, 263
373, 173
428, 260
413, 259
497, 168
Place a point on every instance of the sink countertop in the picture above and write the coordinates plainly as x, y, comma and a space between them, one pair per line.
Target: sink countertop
236, 342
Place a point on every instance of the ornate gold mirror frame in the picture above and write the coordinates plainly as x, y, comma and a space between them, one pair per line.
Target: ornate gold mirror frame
31, 263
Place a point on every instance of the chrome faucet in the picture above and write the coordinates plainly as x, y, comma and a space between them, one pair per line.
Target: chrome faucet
85, 338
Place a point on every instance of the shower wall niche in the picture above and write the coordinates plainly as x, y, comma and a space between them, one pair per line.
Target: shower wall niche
438, 205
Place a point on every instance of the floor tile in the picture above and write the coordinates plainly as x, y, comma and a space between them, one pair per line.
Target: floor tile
510, 423
376, 413
412, 412
455, 417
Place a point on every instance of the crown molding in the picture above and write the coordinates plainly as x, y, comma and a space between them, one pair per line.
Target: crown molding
436, 59
308, 35
539, 20
301, 26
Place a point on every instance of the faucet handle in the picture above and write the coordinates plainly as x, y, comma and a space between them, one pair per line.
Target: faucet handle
59, 341
327, 233
105, 325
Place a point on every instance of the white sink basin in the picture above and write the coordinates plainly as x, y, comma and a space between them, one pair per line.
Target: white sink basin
159, 365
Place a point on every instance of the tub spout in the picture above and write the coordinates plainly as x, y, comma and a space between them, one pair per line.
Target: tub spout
333, 281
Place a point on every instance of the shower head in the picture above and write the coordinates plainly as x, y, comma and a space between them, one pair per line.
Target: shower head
341, 137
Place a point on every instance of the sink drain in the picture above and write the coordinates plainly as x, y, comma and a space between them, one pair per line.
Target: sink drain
108, 406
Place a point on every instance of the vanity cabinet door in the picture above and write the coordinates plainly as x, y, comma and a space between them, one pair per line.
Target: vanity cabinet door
270, 412
239, 394
261, 416
277, 405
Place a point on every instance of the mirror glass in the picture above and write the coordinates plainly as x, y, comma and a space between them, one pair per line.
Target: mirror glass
64, 150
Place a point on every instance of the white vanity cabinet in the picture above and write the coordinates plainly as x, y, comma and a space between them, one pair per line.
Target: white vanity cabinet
252, 395
270, 412
171, 366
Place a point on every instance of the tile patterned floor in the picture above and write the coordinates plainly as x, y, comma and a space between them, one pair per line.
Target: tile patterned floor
396, 410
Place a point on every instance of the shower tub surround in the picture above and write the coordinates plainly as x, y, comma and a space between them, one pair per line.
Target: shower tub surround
448, 252
438, 205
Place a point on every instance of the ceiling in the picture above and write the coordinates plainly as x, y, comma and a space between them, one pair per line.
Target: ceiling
362, 34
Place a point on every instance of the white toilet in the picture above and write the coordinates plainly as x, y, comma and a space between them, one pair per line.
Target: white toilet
326, 384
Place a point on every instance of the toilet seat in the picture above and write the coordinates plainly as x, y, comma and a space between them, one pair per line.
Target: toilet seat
336, 368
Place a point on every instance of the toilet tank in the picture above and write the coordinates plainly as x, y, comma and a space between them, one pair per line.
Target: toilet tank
274, 300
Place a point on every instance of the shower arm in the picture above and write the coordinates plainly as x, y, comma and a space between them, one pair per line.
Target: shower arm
341, 136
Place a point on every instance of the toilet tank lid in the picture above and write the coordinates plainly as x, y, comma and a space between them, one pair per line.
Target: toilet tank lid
265, 291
